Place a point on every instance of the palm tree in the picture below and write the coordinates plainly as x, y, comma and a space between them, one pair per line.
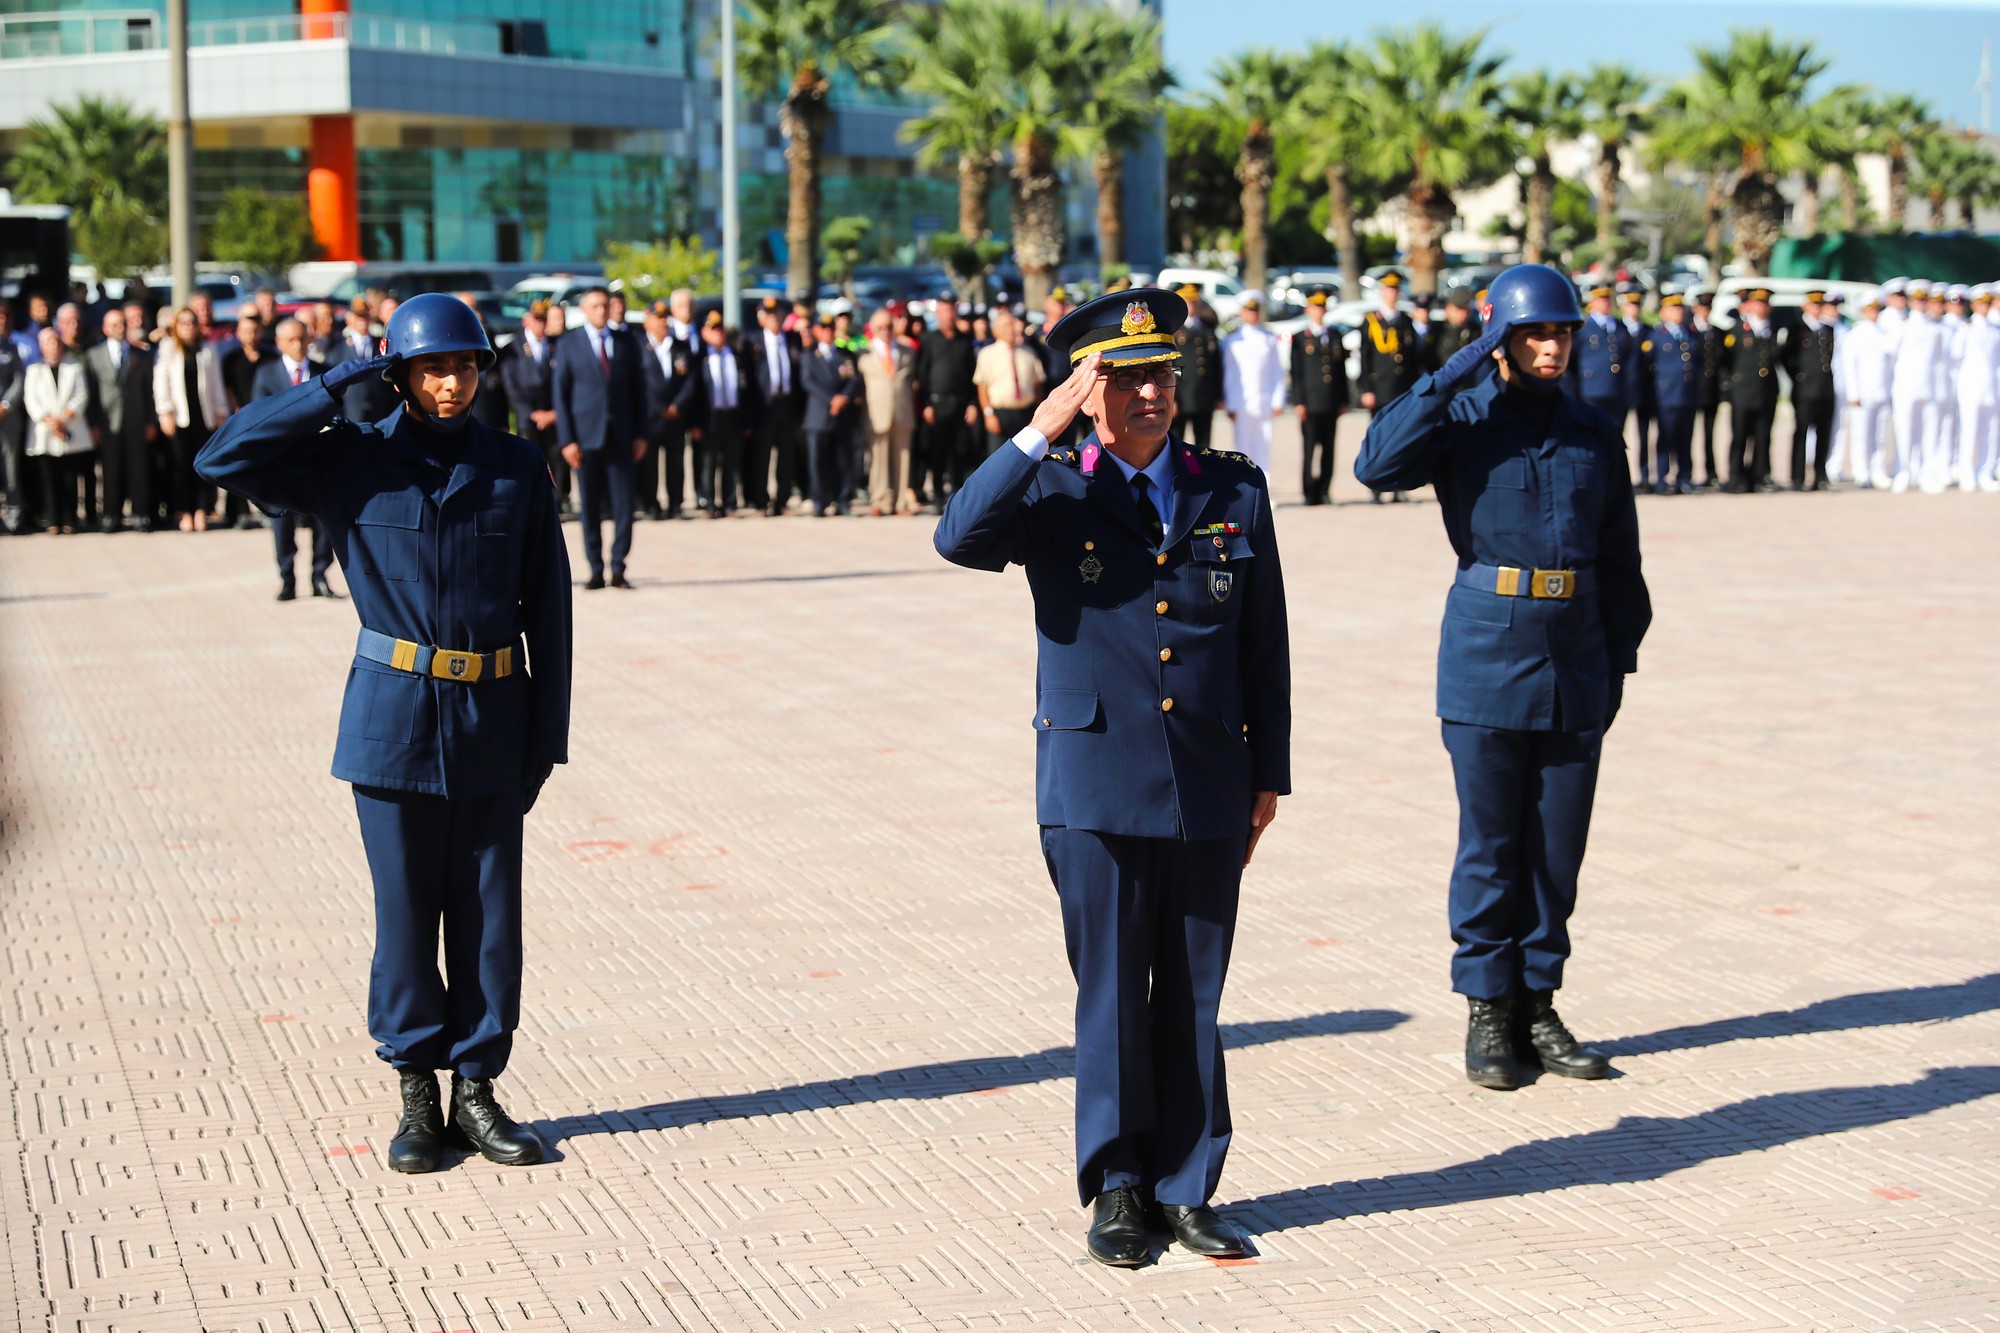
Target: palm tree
791, 51
953, 43
1332, 123
1032, 59
1954, 170
1257, 85
1901, 122
1122, 75
1748, 104
1545, 109
1849, 111
108, 163
1615, 113
1980, 183
1439, 128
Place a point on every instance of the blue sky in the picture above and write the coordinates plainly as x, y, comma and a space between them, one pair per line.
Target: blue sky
1931, 50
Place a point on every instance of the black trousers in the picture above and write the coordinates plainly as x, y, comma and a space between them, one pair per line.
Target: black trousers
604, 487
1644, 417
1196, 425
1811, 415
186, 488
1675, 446
1706, 415
128, 475
1012, 420
58, 476
948, 449
774, 448
719, 460
1318, 429
1749, 444
15, 471
285, 531
830, 463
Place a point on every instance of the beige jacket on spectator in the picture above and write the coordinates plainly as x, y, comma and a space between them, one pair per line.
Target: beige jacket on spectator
170, 385
57, 391
892, 389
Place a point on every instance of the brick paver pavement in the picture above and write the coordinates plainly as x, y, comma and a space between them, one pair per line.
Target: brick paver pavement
797, 1014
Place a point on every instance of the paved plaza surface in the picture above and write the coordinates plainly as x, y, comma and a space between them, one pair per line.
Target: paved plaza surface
797, 1018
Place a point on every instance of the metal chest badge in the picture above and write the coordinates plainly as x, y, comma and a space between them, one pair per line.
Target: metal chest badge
1221, 582
1092, 569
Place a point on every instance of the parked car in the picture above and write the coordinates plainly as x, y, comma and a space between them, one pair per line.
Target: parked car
1223, 293
405, 281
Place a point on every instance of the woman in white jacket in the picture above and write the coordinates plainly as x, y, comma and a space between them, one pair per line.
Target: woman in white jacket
188, 395
54, 398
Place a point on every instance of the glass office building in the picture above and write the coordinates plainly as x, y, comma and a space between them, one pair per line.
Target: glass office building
529, 132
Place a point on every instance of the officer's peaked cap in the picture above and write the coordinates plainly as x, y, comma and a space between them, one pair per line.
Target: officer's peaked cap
1127, 328
433, 322
1532, 294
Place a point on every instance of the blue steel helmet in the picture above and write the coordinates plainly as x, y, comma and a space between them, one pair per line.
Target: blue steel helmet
434, 322
1532, 294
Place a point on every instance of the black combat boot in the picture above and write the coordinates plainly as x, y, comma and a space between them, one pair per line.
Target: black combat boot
1489, 1045
478, 1123
1541, 1039
419, 1142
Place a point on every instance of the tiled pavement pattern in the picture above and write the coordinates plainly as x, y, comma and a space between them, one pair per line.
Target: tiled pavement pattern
797, 1012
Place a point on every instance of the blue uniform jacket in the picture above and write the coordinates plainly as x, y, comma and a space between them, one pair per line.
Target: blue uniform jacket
471, 559
1122, 629
1600, 364
1671, 361
1514, 496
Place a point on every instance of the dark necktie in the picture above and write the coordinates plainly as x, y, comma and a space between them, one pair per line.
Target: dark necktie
1142, 497
603, 361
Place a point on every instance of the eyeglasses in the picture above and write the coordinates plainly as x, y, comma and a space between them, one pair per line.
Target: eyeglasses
1129, 381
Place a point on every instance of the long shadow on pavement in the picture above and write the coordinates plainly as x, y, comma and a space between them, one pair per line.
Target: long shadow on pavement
1916, 1004
947, 1078
1636, 1148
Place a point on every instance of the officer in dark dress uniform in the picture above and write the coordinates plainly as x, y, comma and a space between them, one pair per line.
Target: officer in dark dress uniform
1750, 361
1710, 400
1541, 628
1199, 392
1602, 358
1638, 387
1391, 358
1671, 361
525, 369
1319, 394
1163, 735
1808, 354
457, 704
1453, 332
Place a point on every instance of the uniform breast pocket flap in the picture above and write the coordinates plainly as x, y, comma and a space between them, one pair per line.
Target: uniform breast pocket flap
1066, 710
1509, 474
386, 531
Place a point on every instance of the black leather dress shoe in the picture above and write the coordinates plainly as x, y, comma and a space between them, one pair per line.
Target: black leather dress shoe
286, 592
477, 1122
321, 588
619, 581
595, 582
419, 1143
1118, 1237
1202, 1231
1543, 1040
1489, 1045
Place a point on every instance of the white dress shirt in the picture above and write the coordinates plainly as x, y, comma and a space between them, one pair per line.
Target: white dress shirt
722, 377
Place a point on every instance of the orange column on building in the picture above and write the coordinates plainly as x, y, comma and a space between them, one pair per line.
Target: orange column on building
330, 188
322, 18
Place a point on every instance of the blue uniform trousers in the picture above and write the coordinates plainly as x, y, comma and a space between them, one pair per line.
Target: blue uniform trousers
456, 863
1148, 923
1524, 801
605, 479
1676, 445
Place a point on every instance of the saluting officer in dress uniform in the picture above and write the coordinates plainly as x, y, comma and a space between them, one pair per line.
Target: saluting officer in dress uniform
1809, 355
457, 704
1391, 358
1199, 392
1541, 627
1671, 361
1751, 374
1319, 394
1163, 734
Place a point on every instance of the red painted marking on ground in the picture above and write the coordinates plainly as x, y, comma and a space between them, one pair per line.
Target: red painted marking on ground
179, 846
700, 888
1920, 814
225, 921
1894, 1193
989, 1092
596, 849
336, 1152
118, 740
999, 800
1232, 1263
604, 819
822, 976
1782, 911
887, 749
144, 786
1928, 613
360, 1148
1326, 942
647, 661
279, 1018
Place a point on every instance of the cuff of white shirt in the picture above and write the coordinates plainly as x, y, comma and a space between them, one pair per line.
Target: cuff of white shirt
1032, 443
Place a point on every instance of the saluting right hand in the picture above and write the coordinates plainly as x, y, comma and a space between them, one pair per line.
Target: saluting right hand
1057, 410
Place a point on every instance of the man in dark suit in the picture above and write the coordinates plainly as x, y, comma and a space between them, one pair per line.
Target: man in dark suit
291, 367
490, 407
945, 360
832, 387
774, 398
1750, 372
600, 397
1808, 353
526, 370
371, 397
1319, 394
13, 424
1199, 392
673, 411
124, 422
719, 454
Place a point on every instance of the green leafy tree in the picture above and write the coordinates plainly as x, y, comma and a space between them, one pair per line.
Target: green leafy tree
647, 273
1954, 169
264, 232
1329, 118
1899, 123
791, 52
964, 124
107, 162
1613, 102
1546, 109
843, 241
1439, 128
968, 262
1849, 112
1258, 84
1202, 141
1122, 76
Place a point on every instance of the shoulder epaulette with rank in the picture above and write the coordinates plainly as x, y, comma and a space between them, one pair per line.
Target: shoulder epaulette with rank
1071, 457
1229, 456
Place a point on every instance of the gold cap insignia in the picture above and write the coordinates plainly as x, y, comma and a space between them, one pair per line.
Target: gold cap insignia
1138, 319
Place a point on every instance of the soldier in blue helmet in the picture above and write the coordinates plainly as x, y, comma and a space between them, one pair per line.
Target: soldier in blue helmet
1541, 627
457, 703
1162, 742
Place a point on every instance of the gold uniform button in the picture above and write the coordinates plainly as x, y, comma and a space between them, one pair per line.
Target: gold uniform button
1090, 546
1047, 723
1159, 608
1160, 559
1166, 705
1166, 654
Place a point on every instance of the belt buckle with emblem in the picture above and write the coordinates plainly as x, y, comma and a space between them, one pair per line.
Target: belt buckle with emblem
447, 664
1554, 583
